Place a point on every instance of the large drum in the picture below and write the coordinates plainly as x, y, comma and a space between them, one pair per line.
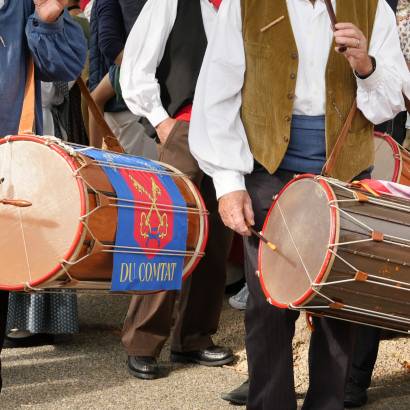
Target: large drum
59, 215
342, 252
392, 161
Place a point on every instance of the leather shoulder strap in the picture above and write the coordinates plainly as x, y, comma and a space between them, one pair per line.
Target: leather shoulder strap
111, 141
331, 161
26, 125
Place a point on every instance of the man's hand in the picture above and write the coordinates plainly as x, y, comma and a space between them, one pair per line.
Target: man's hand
347, 34
236, 211
49, 10
164, 129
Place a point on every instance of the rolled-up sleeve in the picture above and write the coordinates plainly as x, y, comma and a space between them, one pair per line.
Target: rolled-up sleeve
379, 96
59, 49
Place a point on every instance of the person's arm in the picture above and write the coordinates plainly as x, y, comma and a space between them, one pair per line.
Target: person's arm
58, 47
379, 96
111, 34
142, 54
217, 137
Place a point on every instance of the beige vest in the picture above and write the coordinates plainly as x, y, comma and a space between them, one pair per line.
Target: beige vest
270, 82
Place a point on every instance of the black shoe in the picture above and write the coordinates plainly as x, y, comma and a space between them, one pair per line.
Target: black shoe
355, 396
36, 339
239, 396
212, 356
143, 367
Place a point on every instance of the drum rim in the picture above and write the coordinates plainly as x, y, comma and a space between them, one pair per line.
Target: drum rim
398, 163
205, 232
80, 229
327, 262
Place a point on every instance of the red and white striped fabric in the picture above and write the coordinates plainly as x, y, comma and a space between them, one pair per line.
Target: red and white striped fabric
386, 187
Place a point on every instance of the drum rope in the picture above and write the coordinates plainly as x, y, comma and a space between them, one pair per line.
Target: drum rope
406, 243
20, 216
376, 201
131, 250
161, 207
353, 309
293, 242
150, 251
368, 274
136, 168
25, 244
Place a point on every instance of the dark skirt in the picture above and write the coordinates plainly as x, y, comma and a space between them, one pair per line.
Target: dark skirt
53, 313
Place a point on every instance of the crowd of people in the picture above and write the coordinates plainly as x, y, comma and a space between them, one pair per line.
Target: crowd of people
239, 95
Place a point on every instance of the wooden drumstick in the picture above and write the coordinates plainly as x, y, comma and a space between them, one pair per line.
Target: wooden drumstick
263, 239
21, 203
332, 15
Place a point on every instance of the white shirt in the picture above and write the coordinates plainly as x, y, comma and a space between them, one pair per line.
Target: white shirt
217, 137
144, 51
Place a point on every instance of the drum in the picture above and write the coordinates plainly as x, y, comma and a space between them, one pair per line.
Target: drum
59, 214
341, 252
392, 161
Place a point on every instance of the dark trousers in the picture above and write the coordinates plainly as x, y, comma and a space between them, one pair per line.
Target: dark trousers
365, 355
269, 331
197, 307
4, 301
395, 127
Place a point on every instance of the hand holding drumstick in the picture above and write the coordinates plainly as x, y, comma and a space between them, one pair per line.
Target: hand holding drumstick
352, 43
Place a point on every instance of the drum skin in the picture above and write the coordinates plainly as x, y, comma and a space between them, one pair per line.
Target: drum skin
392, 161
306, 273
63, 196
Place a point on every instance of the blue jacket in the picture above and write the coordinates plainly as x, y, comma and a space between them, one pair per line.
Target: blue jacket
58, 50
107, 39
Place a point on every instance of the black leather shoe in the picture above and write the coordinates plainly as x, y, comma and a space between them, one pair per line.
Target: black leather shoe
36, 339
239, 396
355, 396
211, 356
143, 367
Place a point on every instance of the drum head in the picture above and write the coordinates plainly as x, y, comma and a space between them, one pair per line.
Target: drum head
301, 224
387, 158
35, 239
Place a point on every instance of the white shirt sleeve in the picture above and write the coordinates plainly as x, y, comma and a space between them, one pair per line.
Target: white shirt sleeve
217, 137
379, 97
143, 53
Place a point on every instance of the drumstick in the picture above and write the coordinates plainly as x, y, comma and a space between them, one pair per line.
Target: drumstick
263, 239
21, 203
333, 20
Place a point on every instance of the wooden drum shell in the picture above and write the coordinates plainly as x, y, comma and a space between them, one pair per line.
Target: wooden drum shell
359, 279
83, 258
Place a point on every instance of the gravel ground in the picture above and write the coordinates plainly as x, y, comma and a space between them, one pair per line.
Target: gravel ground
89, 372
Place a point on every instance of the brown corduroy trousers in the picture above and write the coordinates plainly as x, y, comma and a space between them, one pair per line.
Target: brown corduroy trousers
195, 310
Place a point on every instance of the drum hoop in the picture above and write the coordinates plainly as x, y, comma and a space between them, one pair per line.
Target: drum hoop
398, 160
80, 230
329, 257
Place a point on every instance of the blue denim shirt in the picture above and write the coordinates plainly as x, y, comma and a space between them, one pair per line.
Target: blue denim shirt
58, 50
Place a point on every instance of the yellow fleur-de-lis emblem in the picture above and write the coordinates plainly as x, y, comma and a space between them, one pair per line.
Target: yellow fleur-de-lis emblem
146, 229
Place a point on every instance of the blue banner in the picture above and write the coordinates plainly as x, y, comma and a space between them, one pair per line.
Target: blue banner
151, 236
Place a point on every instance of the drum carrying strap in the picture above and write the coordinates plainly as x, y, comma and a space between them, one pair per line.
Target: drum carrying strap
331, 161
26, 125
110, 140
27, 118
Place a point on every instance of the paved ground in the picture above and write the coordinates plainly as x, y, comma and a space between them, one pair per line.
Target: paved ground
89, 372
